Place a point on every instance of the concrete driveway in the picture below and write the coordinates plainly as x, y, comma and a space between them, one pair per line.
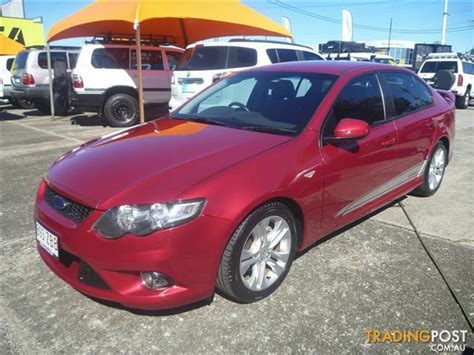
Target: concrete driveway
375, 275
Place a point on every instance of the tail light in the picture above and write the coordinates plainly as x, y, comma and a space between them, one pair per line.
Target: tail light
27, 79
219, 76
460, 80
77, 81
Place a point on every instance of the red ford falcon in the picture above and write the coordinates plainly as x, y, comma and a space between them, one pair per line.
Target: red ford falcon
226, 189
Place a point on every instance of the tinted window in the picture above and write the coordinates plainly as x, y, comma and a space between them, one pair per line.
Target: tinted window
407, 92
281, 103
240, 57
468, 68
110, 58
55, 56
360, 99
10, 63
433, 67
204, 58
287, 55
310, 56
173, 59
72, 59
272, 54
20, 60
151, 60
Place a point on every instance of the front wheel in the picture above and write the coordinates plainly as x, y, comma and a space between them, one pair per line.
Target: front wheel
259, 254
434, 172
121, 110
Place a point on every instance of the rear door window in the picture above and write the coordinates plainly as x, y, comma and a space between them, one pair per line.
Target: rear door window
55, 56
240, 57
407, 92
111, 58
287, 55
204, 58
272, 54
151, 60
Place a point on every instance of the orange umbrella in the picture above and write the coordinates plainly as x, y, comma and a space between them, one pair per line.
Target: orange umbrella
9, 46
185, 21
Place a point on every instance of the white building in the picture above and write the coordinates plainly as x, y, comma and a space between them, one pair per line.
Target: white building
400, 50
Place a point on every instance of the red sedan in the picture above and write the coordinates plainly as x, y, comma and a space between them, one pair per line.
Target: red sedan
226, 189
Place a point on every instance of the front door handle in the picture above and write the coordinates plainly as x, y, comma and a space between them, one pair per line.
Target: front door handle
389, 142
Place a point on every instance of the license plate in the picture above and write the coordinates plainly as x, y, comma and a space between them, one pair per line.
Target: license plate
47, 240
187, 88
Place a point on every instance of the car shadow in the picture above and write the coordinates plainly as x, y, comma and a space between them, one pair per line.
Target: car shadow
34, 113
85, 120
8, 116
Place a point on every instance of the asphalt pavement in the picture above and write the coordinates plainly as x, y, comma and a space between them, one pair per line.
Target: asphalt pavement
375, 275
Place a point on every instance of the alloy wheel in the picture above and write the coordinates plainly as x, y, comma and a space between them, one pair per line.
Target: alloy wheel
436, 170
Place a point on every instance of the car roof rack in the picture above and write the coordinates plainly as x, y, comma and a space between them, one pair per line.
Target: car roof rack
268, 41
53, 47
125, 39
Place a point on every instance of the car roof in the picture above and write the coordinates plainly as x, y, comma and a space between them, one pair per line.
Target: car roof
326, 67
133, 46
253, 44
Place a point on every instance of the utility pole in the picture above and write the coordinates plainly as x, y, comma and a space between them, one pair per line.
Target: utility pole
445, 18
389, 36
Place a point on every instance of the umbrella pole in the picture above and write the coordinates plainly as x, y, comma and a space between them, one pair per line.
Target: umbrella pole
50, 78
140, 74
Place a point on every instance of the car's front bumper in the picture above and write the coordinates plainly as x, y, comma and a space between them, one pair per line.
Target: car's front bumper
189, 255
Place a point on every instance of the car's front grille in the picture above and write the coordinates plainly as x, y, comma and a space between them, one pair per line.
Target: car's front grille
88, 276
70, 209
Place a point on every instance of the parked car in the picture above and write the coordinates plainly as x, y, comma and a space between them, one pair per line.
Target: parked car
204, 63
462, 72
105, 79
226, 189
30, 77
6, 63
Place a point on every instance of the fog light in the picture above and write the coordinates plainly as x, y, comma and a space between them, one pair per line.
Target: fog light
154, 280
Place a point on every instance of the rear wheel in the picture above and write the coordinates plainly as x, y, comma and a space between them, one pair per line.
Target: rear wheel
24, 104
463, 101
259, 254
434, 172
121, 110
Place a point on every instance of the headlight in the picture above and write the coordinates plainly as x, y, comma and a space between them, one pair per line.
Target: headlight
145, 219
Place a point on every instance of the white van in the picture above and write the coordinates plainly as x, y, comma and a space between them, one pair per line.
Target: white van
461, 68
105, 79
204, 63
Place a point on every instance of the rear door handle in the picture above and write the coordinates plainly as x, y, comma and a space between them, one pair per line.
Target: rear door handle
389, 142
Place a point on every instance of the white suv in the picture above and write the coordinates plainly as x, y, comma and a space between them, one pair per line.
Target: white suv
30, 79
462, 71
203, 64
105, 79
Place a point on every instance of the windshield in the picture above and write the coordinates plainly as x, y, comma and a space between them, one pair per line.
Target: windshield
434, 67
20, 61
274, 102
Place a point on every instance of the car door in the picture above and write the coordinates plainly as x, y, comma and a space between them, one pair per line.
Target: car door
410, 106
156, 80
357, 173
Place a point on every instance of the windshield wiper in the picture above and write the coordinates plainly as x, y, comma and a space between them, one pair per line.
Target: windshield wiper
202, 120
269, 129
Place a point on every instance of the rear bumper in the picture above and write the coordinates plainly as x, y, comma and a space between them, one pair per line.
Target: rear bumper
189, 255
87, 101
30, 93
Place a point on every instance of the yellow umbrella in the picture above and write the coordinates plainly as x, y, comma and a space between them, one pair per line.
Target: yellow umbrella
184, 21
9, 46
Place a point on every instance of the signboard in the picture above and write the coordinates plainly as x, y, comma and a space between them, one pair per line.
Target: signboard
24, 31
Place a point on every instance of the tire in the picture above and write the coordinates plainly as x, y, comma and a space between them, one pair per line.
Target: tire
435, 163
24, 104
463, 101
121, 110
247, 251
43, 106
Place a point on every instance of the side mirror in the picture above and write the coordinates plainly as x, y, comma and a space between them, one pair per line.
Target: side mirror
349, 129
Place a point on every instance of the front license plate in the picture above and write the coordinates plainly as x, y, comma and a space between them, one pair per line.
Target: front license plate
47, 240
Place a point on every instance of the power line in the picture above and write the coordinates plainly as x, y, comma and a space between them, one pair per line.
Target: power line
366, 27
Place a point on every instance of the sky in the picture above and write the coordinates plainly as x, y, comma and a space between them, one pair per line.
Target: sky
316, 22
